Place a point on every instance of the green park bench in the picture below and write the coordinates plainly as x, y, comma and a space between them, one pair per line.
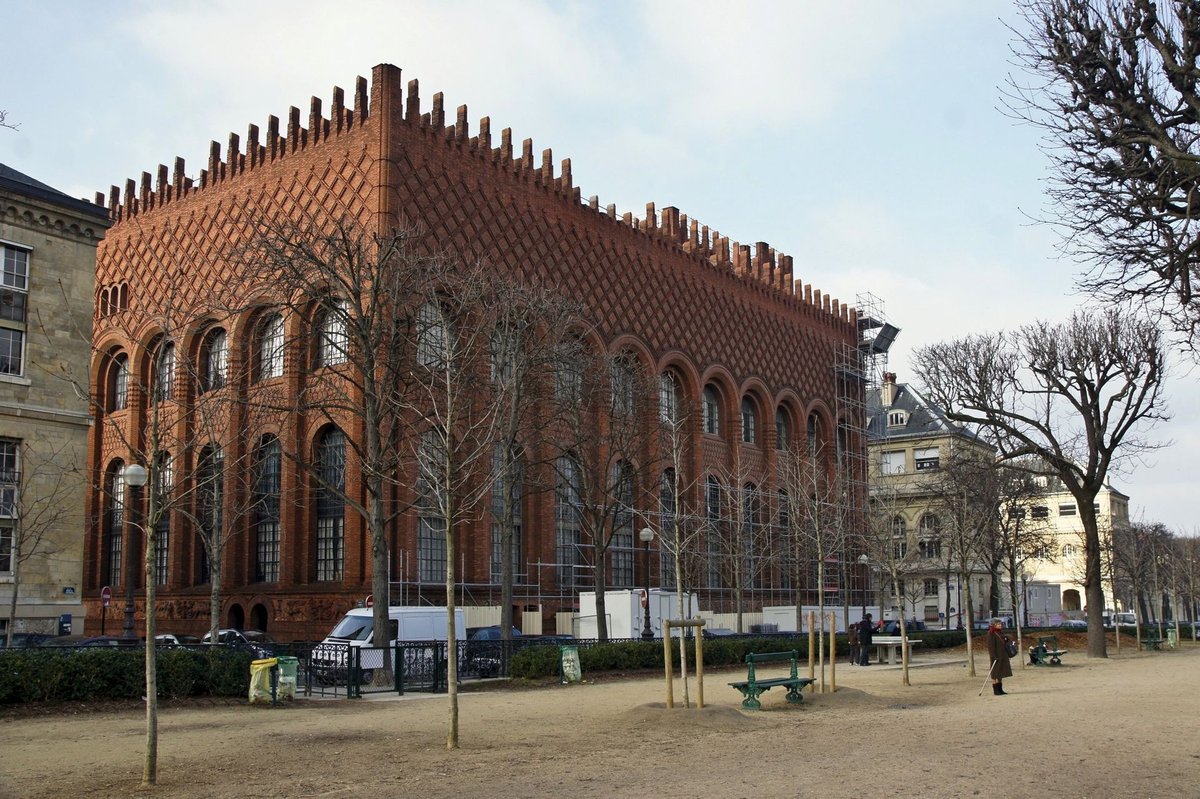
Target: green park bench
1046, 653
752, 687
1152, 643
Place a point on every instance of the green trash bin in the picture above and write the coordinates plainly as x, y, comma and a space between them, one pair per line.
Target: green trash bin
260, 679
288, 666
1172, 639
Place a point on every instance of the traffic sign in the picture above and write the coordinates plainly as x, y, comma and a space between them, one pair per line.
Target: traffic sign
370, 600
105, 596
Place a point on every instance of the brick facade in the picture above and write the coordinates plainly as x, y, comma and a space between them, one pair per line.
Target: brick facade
676, 294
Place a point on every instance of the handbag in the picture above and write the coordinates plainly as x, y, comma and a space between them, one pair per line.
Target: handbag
1010, 647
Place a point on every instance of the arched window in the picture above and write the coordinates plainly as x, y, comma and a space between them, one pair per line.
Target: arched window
119, 384
568, 504
334, 342
164, 476
210, 498
812, 434
433, 336
115, 532
713, 525
164, 372
666, 528
268, 482
712, 410
929, 531
749, 421
214, 359
621, 546
431, 524
506, 500
331, 509
270, 347
783, 429
668, 399
899, 538
621, 384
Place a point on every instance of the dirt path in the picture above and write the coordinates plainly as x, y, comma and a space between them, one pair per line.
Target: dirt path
1122, 727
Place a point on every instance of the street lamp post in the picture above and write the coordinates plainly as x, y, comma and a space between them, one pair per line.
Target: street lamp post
1025, 599
135, 477
646, 535
865, 562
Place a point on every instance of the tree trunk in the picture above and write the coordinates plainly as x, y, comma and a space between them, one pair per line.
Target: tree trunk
150, 768
16, 588
214, 597
966, 585
1093, 589
451, 632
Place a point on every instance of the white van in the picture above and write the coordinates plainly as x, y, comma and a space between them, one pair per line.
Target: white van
356, 629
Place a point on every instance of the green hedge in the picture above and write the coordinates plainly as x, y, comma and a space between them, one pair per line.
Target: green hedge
96, 673
537, 662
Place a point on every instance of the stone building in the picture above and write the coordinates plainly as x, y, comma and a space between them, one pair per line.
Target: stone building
729, 325
48, 251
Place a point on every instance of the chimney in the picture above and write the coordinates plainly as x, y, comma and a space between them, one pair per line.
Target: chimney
887, 395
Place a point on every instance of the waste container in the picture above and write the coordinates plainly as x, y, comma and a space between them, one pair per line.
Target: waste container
288, 667
1172, 639
260, 679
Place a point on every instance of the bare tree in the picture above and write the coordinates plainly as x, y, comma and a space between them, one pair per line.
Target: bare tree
40, 484
604, 416
1114, 87
4, 123
1075, 395
742, 538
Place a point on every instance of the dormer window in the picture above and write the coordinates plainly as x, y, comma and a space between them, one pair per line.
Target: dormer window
897, 418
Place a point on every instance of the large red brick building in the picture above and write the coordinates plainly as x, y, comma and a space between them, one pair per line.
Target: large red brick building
730, 322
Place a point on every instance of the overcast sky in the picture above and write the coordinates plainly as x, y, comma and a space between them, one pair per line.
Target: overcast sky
863, 138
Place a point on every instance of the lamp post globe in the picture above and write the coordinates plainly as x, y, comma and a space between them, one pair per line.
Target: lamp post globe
646, 535
135, 477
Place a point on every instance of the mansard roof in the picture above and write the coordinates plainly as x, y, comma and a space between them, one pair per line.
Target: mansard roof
25, 186
923, 418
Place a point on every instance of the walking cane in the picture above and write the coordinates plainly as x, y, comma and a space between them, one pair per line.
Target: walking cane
988, 677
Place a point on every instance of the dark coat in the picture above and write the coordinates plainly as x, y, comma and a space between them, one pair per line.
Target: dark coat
866, 630
998, 655
852, 635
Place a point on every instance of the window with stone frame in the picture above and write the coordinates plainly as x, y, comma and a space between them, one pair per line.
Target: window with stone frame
14, 310
568, 508
268, 486
783, 430
270, 347
10, 481
668, 398
164, 475
164, 372
711, 407
431, 524
119, 384
932, 587
333, 345
621, 548
749, 421
214, 360
210, 493
331, 505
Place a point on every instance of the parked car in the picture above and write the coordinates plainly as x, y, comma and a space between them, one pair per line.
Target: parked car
893, 627
493, 633
77, 641
23, 640
1074, 624
258, 642
718, 632
176, 639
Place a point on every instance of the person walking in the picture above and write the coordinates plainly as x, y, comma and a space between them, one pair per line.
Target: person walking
866, 629
852, 640
997, 645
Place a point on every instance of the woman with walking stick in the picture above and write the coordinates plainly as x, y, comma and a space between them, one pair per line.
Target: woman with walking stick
997, 645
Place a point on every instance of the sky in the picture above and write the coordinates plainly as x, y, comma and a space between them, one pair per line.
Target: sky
865, 138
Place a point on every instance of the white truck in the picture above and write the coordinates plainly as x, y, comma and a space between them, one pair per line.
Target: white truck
356, 630
626, 614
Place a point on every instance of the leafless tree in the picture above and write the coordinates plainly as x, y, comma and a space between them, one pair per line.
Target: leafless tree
1076, 395
604, 417
742, 553
40, 485
1113, 85
4, 123
887, 548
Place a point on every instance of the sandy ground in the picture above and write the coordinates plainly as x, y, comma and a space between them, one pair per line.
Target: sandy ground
1127, 726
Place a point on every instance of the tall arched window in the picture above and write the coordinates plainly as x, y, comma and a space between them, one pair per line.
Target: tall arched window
268, 482
666, 529
783, 429
334, 342
749, 421
270, 347
812, 434
621, 547
119, 387
621, 376
506, 499
115, 527
214, 360
568, 503
713, 524
668, 398
164, 372
433, 336
751, 533
431, 523
210, 498
164, 475
929, 530
331, 508
899, 538
712, 410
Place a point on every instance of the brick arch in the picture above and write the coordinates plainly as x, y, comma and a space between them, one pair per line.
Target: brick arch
730, 398
685, 367
793, 407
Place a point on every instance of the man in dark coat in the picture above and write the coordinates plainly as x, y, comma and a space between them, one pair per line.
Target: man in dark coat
997, 645
866, 629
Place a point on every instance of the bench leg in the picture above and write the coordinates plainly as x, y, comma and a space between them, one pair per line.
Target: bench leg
794, 695
751, 701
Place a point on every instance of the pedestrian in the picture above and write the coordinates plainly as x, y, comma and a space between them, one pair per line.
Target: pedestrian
866, 629
852, 639
997, 645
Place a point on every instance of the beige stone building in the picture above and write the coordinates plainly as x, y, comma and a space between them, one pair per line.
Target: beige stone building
908, 440
47, 279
